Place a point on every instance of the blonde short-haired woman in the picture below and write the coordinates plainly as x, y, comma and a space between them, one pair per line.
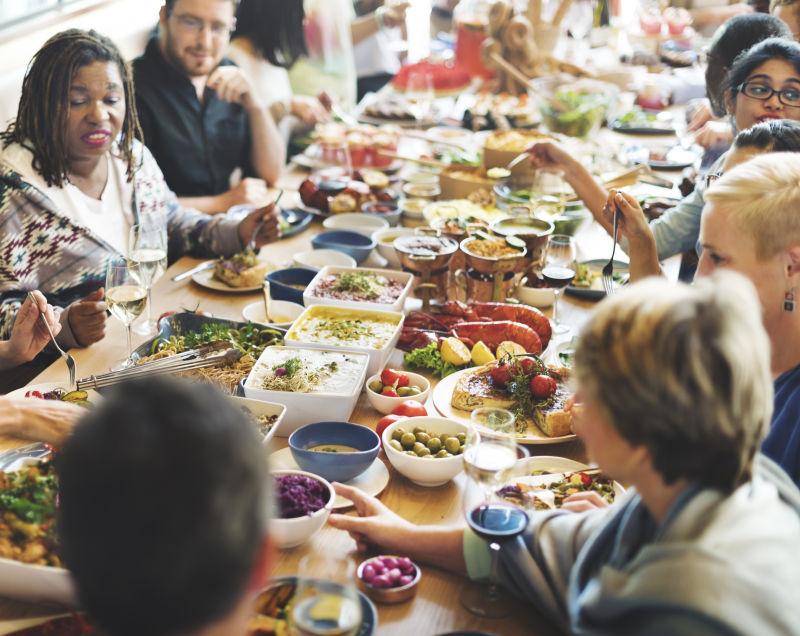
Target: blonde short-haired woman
751, 225
676, 394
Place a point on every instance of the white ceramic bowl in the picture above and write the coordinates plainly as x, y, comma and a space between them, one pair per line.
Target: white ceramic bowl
364, 224
257, 408
384, 239
406, 279
425, 472
288, 533
305, 408
536, 296
317, 259
385, 405
283, 309
377, 357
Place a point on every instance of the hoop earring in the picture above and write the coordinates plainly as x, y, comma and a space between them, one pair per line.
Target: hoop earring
788, 301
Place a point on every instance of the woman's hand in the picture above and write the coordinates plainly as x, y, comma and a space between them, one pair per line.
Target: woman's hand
702, 115
584, 501
29, 336
87, 318
375, 526
309, 110
714, 133
49, 421
633, 225
549, 156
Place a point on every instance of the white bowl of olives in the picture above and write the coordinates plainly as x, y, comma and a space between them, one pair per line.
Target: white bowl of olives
390, 388
426, 450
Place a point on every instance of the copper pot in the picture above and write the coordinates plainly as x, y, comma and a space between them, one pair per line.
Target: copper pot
493, 265
535, 233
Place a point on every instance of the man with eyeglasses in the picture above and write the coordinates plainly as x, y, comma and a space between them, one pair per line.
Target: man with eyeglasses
216, 143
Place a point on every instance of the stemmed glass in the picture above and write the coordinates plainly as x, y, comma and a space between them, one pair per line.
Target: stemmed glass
126, 297
489, 455
147, 248
326, 601
558, 271
580, 20
419, 94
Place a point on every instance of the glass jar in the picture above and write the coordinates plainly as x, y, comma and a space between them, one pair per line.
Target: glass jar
471, 22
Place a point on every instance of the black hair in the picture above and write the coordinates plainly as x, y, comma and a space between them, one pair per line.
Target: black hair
41, 122
731, 39
775, 135
274, 28
163, 507
744, 65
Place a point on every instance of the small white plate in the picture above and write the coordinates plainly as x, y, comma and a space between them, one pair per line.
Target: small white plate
46, 387
206, 279
254, 312
371, 482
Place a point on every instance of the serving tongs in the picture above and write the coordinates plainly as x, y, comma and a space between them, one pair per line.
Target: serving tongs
221, 355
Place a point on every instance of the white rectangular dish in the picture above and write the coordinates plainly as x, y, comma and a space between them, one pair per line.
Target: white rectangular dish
333, 398
404, 278
258, 408
374, 333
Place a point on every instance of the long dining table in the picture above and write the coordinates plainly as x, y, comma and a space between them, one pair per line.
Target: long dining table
436, 608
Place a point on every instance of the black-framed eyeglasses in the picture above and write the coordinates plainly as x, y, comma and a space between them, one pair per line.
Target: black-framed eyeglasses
755, 90
711, 177
195, 26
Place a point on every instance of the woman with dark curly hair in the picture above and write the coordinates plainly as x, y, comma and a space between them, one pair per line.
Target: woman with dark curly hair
74, 178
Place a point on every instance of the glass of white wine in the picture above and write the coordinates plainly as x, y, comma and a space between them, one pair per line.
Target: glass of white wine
126, 296
326, 602
147, 247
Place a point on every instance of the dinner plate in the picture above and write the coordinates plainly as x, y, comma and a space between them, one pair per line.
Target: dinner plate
443, 394
595, 291
206, 279
675, 157
300, 218
371, 482
307, 160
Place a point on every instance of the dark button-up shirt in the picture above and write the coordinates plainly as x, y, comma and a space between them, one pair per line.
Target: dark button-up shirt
197, 145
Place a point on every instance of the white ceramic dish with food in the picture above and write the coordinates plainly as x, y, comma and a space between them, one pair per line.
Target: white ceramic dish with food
371, 482
540, 297
317, 259
288, 533
306, 333
384, 240
425, 472
442, 395
364, 224
37, 583
385, 404
258, 408
282, 313
405, 279
334, 399
206, 279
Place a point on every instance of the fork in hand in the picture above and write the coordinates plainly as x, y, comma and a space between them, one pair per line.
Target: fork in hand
608, 269
67, 357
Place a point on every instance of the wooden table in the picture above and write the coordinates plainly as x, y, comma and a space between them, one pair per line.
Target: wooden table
436, 608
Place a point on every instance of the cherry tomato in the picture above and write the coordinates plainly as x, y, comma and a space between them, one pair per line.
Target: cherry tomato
501, 375
384, 422
410, 408
35, 394
528, 365
389, 392
543, 386
392, 377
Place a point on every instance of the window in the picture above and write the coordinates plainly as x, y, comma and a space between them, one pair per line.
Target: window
13, 12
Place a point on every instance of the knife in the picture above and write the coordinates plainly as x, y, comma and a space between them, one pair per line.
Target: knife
191, 272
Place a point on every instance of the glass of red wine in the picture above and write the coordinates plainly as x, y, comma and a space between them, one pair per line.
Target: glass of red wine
489, 458
558, 271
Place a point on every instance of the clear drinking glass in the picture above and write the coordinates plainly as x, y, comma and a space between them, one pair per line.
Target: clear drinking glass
326, 602
558, 271
489, 455
126, 297
147, 247
419, 95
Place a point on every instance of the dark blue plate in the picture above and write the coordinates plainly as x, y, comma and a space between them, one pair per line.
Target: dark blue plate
301, 220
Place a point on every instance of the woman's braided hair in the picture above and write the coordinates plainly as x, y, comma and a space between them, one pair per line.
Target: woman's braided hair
41, 122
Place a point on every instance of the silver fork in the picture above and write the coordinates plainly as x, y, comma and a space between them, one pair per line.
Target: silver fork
67, 357
608, 269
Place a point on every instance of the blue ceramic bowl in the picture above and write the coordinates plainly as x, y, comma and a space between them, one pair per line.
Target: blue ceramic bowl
356, 245
334, 466
281, 281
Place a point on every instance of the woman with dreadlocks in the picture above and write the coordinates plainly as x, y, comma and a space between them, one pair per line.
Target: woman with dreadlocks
74, 178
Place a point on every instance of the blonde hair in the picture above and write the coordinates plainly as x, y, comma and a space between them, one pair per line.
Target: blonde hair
762, 199
683, 371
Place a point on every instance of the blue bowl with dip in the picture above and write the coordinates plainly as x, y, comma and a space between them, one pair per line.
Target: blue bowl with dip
351, 243
342, 465
289, 284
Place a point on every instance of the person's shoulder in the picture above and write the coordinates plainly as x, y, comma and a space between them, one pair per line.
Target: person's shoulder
147, 66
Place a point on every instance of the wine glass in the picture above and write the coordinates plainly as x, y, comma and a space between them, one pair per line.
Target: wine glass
326, 602
558, 271
419, 94
147, 248
489, 455
580, 20
126, 297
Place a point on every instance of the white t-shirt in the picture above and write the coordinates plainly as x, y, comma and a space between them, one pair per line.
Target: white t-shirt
271, 83
101, 216
374, 56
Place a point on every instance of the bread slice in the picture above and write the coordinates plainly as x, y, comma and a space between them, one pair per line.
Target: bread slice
241, 270
474, 390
